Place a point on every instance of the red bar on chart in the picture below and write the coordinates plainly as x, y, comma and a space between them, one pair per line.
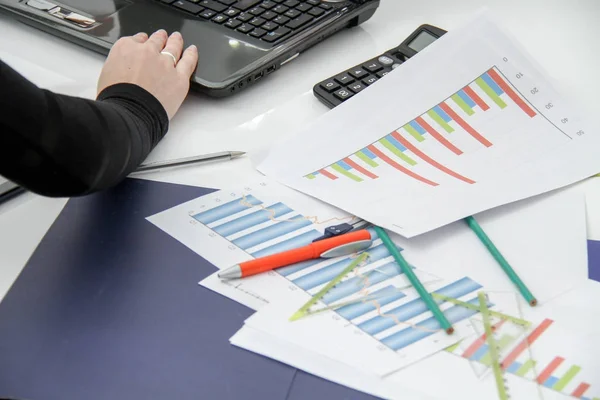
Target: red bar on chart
428, 159
399, 167
547, 372
581, 389
475, 97
533, 336
511, 93
476, 135
359, 168
437, 136
476, 345
328, 174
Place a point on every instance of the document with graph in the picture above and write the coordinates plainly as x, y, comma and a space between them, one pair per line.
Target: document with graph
469, 124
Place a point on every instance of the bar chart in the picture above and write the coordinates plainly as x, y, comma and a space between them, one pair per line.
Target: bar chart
462, 119
535, 358
380, 302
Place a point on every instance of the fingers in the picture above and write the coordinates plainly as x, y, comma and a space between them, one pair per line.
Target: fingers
157, 40
187, 64
140, 37
174, 46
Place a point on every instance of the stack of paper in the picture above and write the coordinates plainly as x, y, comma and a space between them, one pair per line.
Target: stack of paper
474, 126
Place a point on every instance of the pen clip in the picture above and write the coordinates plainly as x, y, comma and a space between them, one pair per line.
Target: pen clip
348, 248
333, 231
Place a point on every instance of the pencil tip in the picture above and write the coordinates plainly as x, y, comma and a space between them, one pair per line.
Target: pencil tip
236, 154
533, 302
450, 331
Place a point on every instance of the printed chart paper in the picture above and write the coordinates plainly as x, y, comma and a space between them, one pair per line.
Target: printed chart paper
233, 225
467, 125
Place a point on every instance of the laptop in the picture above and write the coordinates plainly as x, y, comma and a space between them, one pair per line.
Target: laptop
240, 42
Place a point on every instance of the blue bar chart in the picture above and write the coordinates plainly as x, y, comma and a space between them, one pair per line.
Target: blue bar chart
261, 228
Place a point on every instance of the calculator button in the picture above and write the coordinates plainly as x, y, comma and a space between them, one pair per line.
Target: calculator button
358, 73
330, 85
370, 80
343, 94
344, 79
313, 2
395, 66
228, 2
373, 67
326, 6
383, 73
233, 23
291, 3
385, 60
357, 87
276, 34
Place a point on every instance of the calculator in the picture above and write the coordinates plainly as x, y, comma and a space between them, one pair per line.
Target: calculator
339, 88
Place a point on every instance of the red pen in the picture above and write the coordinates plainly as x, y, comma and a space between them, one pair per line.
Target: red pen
342, 245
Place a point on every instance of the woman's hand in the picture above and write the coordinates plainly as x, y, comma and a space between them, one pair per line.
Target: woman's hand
138, 60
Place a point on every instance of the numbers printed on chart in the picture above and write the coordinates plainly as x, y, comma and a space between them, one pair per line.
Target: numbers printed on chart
542, 100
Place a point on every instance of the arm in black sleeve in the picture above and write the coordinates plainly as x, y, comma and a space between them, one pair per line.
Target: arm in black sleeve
63, 146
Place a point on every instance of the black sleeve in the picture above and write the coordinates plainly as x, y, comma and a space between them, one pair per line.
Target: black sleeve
63, 146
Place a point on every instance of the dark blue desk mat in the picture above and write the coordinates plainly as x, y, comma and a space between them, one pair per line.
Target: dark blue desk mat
108, 307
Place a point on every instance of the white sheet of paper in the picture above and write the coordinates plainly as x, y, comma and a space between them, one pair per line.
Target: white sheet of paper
454, 376
231, 226
512, 136
442, 376
538, 236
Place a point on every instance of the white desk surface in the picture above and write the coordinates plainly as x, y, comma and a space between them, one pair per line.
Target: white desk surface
561, 35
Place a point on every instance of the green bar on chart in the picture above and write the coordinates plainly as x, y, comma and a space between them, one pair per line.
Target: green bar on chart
397, 152
435, 116
566, 378
462, 104
413, 132
490, 92
366, 159
350, 175
452, 348
311, 176
525, 368
502, 343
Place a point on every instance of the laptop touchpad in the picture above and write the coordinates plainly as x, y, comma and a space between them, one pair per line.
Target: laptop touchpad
97, 9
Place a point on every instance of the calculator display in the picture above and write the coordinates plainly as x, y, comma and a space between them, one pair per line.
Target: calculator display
422, 40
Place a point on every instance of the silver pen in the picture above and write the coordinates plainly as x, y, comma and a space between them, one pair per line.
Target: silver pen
223, 155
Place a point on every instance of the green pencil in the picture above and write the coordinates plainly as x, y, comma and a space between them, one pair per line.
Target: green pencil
414, 280
475, 227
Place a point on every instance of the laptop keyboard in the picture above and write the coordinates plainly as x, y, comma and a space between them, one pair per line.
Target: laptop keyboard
267, 20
